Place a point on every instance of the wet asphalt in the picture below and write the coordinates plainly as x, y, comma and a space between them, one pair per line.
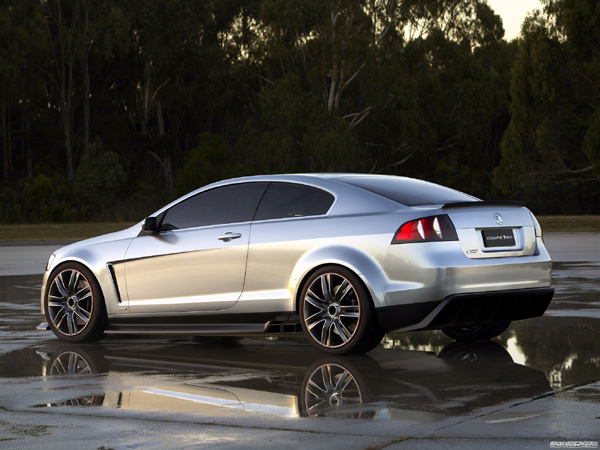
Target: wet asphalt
535, 386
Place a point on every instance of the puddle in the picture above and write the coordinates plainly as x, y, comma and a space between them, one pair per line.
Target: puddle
416, 377
391, 385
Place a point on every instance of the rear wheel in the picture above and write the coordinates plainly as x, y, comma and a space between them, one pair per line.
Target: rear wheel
336, 312
477, 332
74, 304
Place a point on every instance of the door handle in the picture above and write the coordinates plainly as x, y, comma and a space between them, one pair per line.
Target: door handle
229, 236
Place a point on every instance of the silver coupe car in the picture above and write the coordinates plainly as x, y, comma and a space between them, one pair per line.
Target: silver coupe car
343, 258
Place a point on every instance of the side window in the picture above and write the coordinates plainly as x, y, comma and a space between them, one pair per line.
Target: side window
293, 200
227, 204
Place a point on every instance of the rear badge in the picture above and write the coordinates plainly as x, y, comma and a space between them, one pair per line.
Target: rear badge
498, 237
498, 218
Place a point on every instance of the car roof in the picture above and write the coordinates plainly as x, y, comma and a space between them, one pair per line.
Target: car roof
348, 199
353, 192
317, 177
404, 191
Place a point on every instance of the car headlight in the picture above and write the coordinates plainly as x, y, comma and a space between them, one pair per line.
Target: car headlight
50, 261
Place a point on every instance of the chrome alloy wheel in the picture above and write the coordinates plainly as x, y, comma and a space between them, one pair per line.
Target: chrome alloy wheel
70, 302
70, 363
332, 311
331, 388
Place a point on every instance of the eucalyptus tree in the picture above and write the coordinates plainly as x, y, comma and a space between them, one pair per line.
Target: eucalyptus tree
177, 66
23, 94
376, 85
551, 147
64, 19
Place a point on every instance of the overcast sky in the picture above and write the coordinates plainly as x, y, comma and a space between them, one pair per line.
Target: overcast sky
513, 12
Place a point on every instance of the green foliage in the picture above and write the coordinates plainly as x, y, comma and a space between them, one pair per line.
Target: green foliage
211, 160
332, 146
38, 200
591, 141
99, 179
550, 149
185, 92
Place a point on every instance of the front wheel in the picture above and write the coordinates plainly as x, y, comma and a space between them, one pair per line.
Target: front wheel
336, 313
477, 332
74, 304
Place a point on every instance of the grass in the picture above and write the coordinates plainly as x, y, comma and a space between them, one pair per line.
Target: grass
78, 231
569, 223
58, 231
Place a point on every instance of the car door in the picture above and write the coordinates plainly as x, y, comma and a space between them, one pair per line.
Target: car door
286, 225
197, 261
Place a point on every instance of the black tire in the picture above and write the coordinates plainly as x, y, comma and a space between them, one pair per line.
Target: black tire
337, 314
371, 340
484, 352
476, 333
74, 304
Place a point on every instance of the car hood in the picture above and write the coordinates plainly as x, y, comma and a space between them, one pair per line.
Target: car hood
128, 233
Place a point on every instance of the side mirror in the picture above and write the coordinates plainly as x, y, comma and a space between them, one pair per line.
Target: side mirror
149, 225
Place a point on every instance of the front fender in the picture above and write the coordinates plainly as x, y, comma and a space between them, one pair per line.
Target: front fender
95, 257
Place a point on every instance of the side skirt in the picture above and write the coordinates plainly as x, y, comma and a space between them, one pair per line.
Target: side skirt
208, 325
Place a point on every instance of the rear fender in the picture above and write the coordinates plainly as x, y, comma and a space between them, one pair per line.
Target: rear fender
364, 266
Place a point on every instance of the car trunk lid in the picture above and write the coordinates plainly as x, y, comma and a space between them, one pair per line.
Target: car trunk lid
493, 229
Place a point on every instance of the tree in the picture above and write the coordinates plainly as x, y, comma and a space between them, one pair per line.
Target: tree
551, 145
178, 89
168, 39
100, 178
23, 46
204, 164
63, 21
373, 85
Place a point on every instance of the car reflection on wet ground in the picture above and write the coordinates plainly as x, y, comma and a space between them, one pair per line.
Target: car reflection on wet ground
537, 383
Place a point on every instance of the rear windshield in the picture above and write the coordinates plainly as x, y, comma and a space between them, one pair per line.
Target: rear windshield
407, 191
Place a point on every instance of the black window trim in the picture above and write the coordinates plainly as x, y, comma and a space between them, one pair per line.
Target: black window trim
160, 217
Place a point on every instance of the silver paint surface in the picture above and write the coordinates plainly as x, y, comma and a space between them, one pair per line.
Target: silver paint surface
416, 390
192, 271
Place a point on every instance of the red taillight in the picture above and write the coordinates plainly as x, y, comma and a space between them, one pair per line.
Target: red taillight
428, 229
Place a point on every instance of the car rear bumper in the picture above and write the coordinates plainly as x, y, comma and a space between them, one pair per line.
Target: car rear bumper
467, 309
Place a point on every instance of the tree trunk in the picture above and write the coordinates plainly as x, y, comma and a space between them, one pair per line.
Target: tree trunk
5, 138
146, 100
28, 152
166, 159
85, 75
64, 59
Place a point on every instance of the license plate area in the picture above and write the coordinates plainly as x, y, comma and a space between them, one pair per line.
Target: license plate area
498, 237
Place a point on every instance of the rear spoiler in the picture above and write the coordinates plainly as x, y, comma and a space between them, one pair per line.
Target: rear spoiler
478, 203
